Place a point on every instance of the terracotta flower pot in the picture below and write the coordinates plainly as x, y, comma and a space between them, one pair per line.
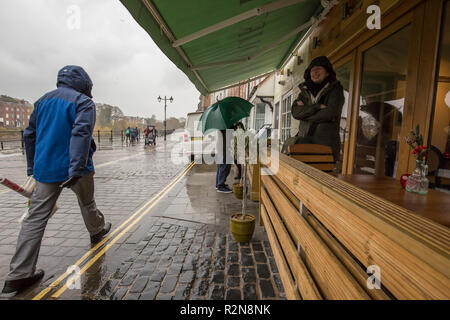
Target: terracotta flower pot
242, 230
238, 190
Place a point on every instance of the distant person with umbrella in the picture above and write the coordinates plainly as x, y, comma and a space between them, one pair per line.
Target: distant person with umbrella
238, 176
221, 116
128, 135
223, 168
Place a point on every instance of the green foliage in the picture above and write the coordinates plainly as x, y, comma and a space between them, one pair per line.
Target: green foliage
6, 98
104, 117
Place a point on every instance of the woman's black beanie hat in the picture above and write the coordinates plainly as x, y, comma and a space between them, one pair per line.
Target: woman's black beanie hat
321, 61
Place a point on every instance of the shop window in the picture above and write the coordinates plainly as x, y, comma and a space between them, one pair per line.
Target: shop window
383, 88
260, 115
439, 155
286, 118
343, 75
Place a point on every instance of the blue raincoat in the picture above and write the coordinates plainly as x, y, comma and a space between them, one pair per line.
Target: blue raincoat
58, 139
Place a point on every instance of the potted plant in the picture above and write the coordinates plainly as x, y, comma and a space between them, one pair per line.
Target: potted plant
417, 182
238, 189
243, 224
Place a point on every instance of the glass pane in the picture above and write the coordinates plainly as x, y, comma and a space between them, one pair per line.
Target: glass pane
439, 155
343, 75
288, 111
381, 103
286, 118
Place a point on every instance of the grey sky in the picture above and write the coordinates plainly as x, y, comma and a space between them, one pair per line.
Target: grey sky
127, 68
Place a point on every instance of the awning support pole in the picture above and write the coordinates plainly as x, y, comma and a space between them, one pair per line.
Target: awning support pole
162, 24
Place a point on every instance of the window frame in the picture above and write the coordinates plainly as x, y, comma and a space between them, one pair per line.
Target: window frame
350, 58
286, 124
411, 87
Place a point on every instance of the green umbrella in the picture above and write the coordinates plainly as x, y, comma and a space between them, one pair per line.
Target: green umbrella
224, 114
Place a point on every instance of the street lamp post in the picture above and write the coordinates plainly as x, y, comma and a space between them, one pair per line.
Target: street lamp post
165, 107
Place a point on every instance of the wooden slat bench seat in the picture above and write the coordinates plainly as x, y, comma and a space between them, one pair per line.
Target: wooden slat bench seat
315, 155
327, 236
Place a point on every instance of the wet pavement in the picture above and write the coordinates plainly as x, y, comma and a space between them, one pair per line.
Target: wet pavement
170, 238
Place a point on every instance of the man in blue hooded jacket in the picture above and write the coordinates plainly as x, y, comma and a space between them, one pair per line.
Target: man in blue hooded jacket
59, 148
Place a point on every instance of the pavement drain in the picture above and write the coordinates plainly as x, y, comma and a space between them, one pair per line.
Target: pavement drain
175, 261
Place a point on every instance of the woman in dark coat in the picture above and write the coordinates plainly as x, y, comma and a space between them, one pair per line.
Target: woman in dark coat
318, 107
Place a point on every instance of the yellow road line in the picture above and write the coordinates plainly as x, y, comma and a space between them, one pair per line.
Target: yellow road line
54, 284
101, 252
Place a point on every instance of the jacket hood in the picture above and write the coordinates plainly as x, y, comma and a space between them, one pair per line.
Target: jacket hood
76, 78
321, 61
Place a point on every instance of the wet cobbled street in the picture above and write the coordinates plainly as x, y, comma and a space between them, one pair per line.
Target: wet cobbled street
170, 237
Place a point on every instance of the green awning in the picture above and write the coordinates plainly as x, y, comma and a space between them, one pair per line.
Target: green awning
220, 42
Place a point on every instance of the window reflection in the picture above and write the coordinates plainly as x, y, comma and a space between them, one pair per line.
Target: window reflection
260, 112
381, 104
439, 154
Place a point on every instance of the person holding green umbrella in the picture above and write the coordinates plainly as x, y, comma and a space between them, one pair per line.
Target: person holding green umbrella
223, 166
221, 116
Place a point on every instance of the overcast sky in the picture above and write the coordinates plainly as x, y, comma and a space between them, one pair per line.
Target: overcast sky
38, 37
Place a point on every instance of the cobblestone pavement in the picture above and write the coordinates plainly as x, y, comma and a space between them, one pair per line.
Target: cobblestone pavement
183, 260
181, 249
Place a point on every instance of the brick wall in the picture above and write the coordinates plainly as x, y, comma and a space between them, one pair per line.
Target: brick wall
15, 115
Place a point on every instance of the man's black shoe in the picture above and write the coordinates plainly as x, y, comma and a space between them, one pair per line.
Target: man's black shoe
13, 287
97, 237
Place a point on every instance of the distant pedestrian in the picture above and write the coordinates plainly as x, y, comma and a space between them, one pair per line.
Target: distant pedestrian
133, 135
128, 135
138, 138
147, 131
59, 150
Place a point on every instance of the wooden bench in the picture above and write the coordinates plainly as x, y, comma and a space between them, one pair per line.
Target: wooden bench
328, 236
253, 177
315, 155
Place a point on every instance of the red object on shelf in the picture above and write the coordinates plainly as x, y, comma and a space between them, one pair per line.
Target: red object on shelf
447, 155
403, 180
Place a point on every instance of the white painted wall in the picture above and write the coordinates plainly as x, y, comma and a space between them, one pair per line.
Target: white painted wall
291, 83
265, 89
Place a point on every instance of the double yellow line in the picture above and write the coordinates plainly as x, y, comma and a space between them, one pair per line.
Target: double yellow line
132, 220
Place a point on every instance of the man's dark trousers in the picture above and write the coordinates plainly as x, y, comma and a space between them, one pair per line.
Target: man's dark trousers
223, 170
